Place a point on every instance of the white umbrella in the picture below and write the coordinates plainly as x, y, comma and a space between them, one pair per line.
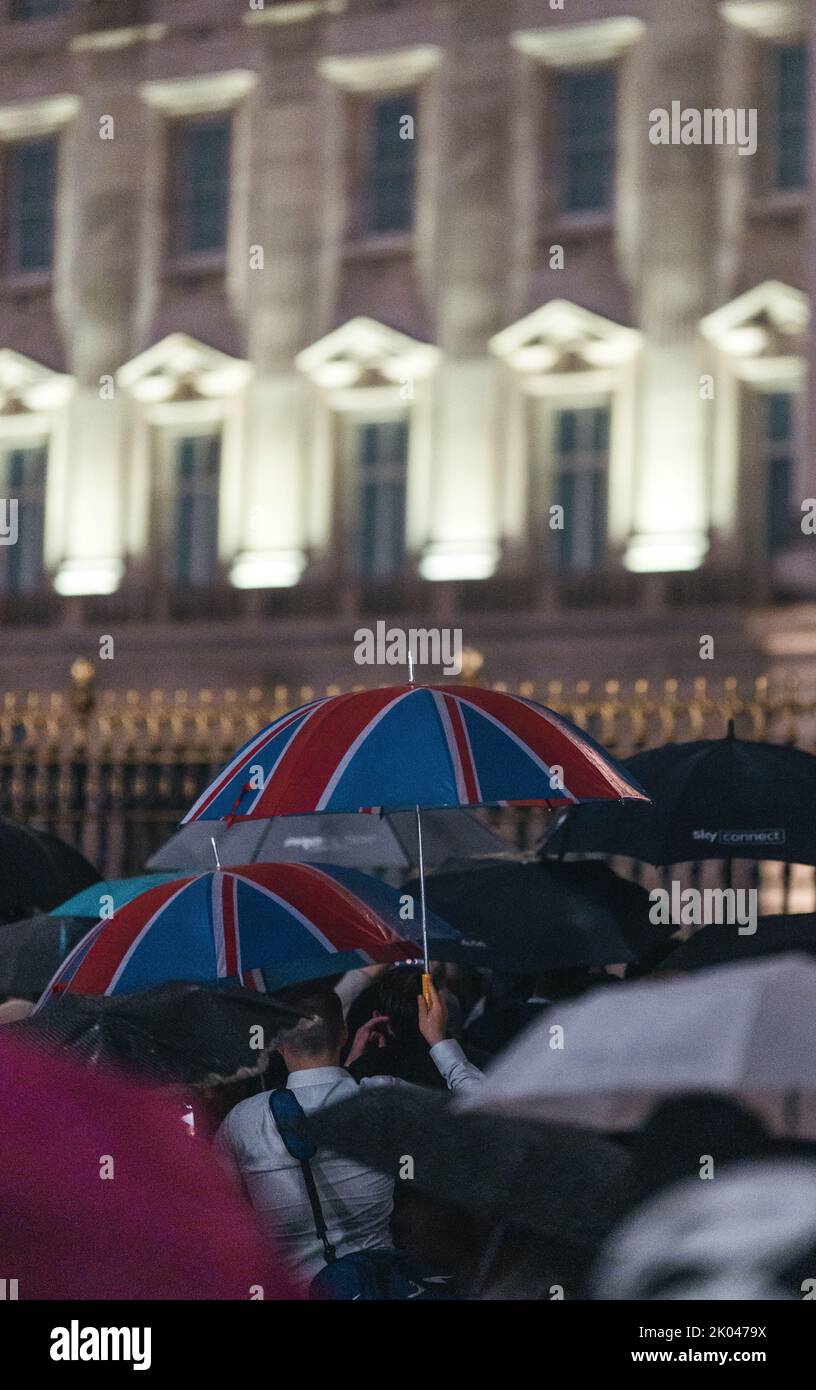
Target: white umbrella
740, 1238
747, 1031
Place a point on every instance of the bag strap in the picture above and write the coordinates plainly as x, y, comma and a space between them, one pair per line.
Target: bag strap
290, 1120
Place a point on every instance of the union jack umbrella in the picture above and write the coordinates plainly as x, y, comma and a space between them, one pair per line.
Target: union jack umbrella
261, 925
408, 746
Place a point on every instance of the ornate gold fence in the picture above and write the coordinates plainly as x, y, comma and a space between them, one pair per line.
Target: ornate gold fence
113, 771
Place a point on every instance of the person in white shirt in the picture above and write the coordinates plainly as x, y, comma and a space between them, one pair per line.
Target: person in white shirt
357, 1200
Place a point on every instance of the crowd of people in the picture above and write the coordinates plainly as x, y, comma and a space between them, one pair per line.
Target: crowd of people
361, 1162
577, 1215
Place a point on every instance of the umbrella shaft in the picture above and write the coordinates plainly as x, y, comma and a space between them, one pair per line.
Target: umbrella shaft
422, 907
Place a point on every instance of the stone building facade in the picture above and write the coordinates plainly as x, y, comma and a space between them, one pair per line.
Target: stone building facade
315, 313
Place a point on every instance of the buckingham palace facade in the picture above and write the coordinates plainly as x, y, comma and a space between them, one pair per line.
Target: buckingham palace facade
487, 314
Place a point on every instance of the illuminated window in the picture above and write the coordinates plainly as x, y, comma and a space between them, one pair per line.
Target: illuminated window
791, 148
586, 104
196, 467
23, 508
579, 484
382, 461
199, 195
30, 184
781, 520
391, 165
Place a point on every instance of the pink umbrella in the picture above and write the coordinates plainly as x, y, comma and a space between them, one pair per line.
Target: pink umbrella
104, 1194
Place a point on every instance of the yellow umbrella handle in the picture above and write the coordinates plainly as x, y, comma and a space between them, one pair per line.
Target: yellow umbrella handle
426, 990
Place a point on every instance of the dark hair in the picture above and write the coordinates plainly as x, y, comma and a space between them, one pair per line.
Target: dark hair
567, 983
320, 1029
680, 1131
397, 991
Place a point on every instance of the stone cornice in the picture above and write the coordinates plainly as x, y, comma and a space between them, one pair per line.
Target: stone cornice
766, 19
565, 47
42, 117
372, 72
106, 40
212, 91
297, 12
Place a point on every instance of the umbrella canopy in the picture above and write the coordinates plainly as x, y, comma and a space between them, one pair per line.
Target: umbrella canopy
404, 746
37, 871
14, 1010
263, 925
170, 1225
31, 951
177, 1034
528, 916
388, 841
719, 943
748, 1237
556, 1180
110, 893
747, 1031
724, 798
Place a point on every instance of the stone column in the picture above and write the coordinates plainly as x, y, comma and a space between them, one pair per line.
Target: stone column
282, 257
472, 294
102, 160
672, 289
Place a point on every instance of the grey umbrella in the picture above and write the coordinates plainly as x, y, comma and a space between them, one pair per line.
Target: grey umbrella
561, 1182
181, 1033
32, 951
350, 841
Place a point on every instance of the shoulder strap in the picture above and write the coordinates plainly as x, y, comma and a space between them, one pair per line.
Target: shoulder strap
291, 1124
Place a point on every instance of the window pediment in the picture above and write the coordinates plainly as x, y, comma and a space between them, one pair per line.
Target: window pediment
365, 353
766, 324
180, 368
562, 337
27, 387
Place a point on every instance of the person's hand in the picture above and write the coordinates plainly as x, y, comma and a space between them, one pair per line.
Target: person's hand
433, 1018
373, 1031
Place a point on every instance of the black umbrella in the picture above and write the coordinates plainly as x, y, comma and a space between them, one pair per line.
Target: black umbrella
556, 1180
38, 872
716, 944
31, 951
528, 916
388, 841
724, 798
181, 1033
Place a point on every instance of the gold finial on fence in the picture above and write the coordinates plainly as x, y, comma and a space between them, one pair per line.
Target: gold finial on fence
472, 663
83, 680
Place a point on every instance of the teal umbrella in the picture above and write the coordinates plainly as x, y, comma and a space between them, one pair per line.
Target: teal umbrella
94, 902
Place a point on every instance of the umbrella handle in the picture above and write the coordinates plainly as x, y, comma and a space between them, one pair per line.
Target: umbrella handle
426, 991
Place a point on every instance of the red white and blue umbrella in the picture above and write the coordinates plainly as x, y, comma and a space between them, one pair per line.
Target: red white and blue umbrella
405, 746
410, 746
260, 925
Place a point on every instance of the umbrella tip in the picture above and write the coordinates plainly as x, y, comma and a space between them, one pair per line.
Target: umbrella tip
215, 852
